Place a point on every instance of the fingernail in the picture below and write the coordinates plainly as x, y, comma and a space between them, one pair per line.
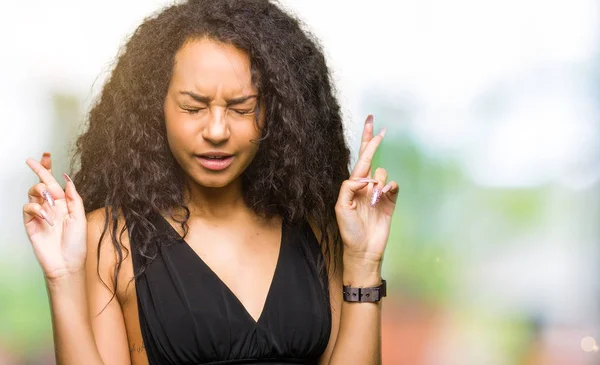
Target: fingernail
68, 180
375, 197
365, 179
386, 188
48, 198
47, 217
369, 119
382, 132
46, 154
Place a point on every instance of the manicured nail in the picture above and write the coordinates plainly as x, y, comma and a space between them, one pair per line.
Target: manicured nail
46, 154
48, 198
386, 188
365, 180
369, 119
375, 197
47, 217
382, 132
67, 178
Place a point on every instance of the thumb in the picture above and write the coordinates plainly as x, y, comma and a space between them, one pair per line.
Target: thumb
74, 201
350, 188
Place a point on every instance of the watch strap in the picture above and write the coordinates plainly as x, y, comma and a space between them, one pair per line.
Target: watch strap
368, 294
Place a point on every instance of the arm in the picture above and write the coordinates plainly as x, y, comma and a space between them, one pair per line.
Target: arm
73, 337
359, 337
84, 333
356, 327
56, 224
364, 213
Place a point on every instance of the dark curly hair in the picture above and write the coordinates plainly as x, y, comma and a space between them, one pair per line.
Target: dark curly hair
127, 168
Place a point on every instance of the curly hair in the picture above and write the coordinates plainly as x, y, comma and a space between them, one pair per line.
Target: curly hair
127, 168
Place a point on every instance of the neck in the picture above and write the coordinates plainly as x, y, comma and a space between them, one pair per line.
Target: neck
215, 203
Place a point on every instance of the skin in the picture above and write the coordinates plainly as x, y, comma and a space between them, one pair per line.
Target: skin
200, 117
223, 121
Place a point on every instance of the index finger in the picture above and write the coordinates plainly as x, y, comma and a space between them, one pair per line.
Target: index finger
47, 178
363, 165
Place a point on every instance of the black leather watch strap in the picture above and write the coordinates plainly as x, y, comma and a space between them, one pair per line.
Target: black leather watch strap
370, 294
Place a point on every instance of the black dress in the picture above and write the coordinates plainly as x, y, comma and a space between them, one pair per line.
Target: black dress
189, 316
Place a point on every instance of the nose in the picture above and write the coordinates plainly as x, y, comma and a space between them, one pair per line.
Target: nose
217, 130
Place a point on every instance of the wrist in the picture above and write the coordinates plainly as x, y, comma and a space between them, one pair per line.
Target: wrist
65, 280
361, 272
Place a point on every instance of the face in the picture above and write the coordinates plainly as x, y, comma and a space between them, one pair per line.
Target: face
210, 112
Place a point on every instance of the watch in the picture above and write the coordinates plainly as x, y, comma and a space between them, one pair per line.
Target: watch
369, 294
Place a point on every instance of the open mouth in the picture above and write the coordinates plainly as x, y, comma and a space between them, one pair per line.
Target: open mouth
215, 163
215, 157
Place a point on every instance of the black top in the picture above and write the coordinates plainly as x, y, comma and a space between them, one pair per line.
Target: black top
189, 316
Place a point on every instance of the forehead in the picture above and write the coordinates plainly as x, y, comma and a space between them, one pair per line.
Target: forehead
212, 67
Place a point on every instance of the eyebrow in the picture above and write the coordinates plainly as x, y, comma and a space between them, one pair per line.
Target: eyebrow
206, 99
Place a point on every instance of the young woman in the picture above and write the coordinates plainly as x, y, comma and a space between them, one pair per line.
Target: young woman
215, 219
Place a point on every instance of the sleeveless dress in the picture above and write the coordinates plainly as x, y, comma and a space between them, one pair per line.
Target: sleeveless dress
188, 316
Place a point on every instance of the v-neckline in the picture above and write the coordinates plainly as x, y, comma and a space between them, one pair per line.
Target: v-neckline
219, 280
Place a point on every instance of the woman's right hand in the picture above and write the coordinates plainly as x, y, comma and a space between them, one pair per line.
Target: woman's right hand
55, 222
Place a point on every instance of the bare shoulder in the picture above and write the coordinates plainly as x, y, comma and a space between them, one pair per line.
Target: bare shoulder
319, 234
315, 228
335, 294
100, 227
106, 314
97, 220
103, 254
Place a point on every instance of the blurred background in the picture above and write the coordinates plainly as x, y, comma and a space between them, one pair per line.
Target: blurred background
493, 116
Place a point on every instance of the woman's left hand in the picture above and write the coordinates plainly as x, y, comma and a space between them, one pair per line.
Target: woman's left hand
365, 205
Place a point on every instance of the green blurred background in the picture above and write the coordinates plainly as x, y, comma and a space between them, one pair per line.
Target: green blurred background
493, 117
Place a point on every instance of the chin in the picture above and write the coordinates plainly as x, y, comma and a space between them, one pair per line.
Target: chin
212, 183
218, 181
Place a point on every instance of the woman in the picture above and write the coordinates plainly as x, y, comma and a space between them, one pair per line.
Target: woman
215, 220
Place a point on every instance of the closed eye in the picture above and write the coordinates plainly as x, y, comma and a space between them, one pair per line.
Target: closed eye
243, 111
191, 110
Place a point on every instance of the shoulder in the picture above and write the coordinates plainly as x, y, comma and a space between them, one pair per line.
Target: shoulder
315, 229
105, 302
100, 223
104, 250
335, 290
328, 249
100, 226
101, 218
